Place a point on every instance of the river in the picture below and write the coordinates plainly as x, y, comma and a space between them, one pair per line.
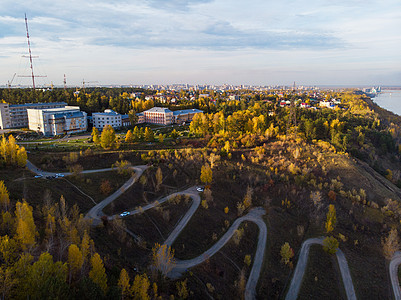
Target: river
390, 100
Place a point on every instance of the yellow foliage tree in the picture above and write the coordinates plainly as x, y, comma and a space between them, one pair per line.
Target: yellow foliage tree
4, 196
140, 287
129, 137
75, 260
123, 284
26, 229
206, 174
108, 139
95, 135
97, 273
331, 219
163, 258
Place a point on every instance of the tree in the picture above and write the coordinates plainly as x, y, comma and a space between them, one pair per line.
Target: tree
161, 138
286, 253
95, 135
391, 243
123, 284
26, 229
159, 178
129, 137
331, 219
206, 174
4, 196
182, 289
149, 137
140, 287
174, 134
248, 197
97, 273
123, 167
105, 187
163, 258
330, 244
75, 260
108, 139
136, 134
12, 153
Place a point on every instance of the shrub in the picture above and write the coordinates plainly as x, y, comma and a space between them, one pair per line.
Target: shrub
330, 244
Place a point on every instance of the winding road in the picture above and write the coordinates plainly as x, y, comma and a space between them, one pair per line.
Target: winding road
296, 281
393, 270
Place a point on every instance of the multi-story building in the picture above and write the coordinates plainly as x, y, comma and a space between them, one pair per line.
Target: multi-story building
186, 115
56, 121
141, 118
5, 119
159, 115
108, 117
16, 116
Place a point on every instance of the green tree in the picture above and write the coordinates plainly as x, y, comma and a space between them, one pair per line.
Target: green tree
95, 135
97, 273
108, 139
206, 174
331, 219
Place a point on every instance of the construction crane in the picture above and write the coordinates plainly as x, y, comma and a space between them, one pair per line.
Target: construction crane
30, 56
10, 82
84, 82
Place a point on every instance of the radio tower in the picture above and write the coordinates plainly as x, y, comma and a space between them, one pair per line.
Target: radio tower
30, 56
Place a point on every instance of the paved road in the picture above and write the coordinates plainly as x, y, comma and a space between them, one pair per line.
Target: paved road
301, 266
255, 215
96, 212
393, 269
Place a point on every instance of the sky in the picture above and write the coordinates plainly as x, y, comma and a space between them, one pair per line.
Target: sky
255, 42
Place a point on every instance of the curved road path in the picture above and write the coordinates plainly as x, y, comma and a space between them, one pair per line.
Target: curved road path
301, 266
393, 270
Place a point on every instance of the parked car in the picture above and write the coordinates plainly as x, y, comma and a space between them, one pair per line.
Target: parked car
59, 175
125, 213
200, 189
39, 176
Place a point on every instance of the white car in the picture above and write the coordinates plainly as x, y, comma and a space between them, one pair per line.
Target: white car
199, 189
123, 214
39, 176
59, 175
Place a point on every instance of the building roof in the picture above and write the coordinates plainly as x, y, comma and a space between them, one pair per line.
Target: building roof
69, 115
27, 105
107, 112
58, 109
187, 111
159, 109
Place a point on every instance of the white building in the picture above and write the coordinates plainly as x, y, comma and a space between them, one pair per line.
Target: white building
16, 116
108, 117
56, 121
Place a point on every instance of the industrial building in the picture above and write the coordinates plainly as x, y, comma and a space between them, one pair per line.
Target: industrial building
56, 121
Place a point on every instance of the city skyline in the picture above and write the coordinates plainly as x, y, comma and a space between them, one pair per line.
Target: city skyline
205, 42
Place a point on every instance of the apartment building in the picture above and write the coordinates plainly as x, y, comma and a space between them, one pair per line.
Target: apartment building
16, 116
108, 117
56, 121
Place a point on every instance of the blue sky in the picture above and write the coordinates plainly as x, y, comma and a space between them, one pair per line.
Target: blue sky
261, 42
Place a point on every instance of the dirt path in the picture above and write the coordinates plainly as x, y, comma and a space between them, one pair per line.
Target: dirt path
299, 272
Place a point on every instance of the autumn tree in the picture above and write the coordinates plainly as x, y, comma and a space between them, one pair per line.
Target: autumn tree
330, 244
161, 138
163, 258
129, 137
97, 273
105, 187
95, 135
124, 285
12, 153
26, 229
182, 289
123, 167
148, 136
108, 139
206, 174
391, 243
331, 219
75, 260
159, 178
248, 197
140, 287
4, 196
174, 134
286, 253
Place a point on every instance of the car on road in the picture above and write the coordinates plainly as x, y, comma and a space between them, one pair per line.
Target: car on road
39, 176
200, 189
59, 175
125, 213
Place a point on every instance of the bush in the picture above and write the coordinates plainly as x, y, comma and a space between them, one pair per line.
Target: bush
330, 245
